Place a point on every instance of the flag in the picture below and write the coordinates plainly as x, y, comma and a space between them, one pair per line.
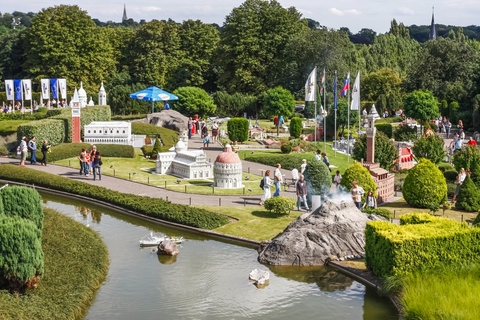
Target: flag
27, 88
310, 86
45, 89
54, 85
62, 85
322, 89
346, 85
18, 89
335, 90
9, 89
356, 93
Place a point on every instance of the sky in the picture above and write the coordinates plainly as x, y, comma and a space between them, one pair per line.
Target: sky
353, 14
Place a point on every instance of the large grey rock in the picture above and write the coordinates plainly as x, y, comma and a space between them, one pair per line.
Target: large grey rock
168, 247
169, 119
336, 228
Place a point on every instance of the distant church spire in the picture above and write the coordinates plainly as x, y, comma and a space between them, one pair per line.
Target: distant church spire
433, 34
124, 13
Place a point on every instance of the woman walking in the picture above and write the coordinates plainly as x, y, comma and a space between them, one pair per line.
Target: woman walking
370, 200
214, 131
44, 150
460, 178
23, 151
97, 166
206, 139
82, 157
267, 184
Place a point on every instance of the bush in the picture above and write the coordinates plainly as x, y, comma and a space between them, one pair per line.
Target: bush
318, 178
238, 129
70, 150
405, 133
467, 158
153, 207
421, 242
42, 110
450, 175
387, 214
475, 175
468, 196
23, 202
451, 187
357, 172
169, 137
157, 147
424, 184
54, 112
21, 255
385, 152
445, 167
431, 148
147, 151
280, 205
296, 127
287, 161
389, 120
386, 128
286, 148
51, 130
193, 100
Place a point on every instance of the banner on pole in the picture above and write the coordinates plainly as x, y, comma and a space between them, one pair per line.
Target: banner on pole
27, 88
62, 85
310, 86
54, 85
335, 91
322, 89
346, 85
45, 89
356, 93
18, 89
9, 88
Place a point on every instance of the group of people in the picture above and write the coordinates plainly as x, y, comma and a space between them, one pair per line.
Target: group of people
27, 146
197, 126
91, 160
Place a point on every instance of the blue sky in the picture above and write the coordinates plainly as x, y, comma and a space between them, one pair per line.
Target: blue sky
354, 14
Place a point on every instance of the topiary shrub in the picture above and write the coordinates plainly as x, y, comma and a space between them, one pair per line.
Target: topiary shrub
385, 152
386, 128
280, 205
359, 173
237, 129
450, 175
286, 149
318, 178
405, 133
157, 147
70, 150
147, 151
475, 175
296, 127
477, 220
467, 158
468, 196
431, 148
424, 184
445, 167
387, 214
24, 202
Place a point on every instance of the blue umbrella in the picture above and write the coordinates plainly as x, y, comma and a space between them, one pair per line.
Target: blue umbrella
153, 94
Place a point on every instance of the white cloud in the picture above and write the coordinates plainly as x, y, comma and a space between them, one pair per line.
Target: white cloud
336, 12
404, 11
352, 11
340, 13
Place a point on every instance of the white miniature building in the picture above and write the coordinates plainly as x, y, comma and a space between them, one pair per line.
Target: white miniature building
257, 133
228, 170
180, 162
111, 132
82, 96
91, 103
102, 96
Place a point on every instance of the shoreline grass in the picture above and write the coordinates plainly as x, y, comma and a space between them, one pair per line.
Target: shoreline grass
76, 264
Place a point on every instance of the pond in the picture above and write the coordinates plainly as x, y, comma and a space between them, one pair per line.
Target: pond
209, 278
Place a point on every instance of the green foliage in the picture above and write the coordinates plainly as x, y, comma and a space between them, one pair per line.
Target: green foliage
386, 128
421, 105
433, 207
53, 112
387, 214
71, 150
192, 100
234, 105
280, 205
42, 110
421, 242
451, 187
169, 137
424, 184
51, 130
237, 129
148, 151
431, 148
157, 147
450, 175
286, 148
23, 202
468, 196
385, 88
385, 152
318, 178
295, 127
467, 158
445, 167
287, 161
405, 133
342, 117
357, 172
153, 207
8, 127
279, 102
475, 175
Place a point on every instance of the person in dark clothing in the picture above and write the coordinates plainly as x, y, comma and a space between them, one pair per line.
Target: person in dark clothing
302, 193
45, 148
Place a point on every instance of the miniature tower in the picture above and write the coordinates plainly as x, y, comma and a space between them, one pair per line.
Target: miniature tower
183, 136
433, 33
82, 96
371, 131
124, 18
76, 128
102, 96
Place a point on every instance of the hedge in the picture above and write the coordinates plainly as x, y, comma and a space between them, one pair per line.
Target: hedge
450, 175
287, 161
385, 128
286, 148
169, 137
280, 205
70, 150
357, 172
295, 127
379, 212
445, 167
468, 196
318, 178
153, 207
23, 202
238, 129
421, 242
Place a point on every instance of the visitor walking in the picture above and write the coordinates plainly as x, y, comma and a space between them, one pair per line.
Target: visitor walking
82, 157
337, 179
197, 124
267, 184
448, 127
277, 175
214, 130
295, 174
190, 127
326, 161
460, 178
23, 151
32, 146
303, 166
44, 150
318, 156
357, 193
462, 134
93, 152
458, 143
97, 166
459, 126
370, 201
206, 138
302, 193
204, 128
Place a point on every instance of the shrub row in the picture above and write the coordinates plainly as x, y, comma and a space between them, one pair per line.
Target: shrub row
385, 128
444, 167
421, 242
70, 150
287, 161
280, 205
379, 212
153, 207
390, 120
169, 137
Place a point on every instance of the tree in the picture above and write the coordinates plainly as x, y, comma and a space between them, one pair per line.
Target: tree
278, 102
192, 100
342, 116
157, 147
24, 202
468, 196
384, 86
421, 106
234, 105
357, 172
295, 127
11, 53
385, 152
467, 158
318, 178
237, 129
431, 148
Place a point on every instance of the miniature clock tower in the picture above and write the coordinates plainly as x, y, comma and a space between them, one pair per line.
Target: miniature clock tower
371, 131
76, 128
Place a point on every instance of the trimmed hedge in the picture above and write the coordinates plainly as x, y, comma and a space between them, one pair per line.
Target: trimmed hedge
153, 207
318, 178
357, 172
70, 150
169, 137
385, 128
23, 202
421, 242
286, 149
450, 175
237, 129
379, 212
445, 167
280, 205
287, 161
468, 196
296, 127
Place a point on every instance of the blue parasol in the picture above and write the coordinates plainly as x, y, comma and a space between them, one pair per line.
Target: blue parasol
153, 94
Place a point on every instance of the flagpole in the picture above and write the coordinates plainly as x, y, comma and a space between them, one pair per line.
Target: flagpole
315, 99
335, 107
348, 119
359, 107
325, 117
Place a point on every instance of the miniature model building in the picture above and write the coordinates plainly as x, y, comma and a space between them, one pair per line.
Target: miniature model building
257, 133
111, 132
82, 96
102, 96
228, 170
180, 162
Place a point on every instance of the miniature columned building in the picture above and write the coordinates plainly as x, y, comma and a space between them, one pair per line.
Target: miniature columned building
102, 96
76, 129
228, 170
82, 96
111, 132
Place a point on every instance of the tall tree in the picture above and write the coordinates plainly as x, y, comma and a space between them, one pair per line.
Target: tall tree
385, 88
421, 106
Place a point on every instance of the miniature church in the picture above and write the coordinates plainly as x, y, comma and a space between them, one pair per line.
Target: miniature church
228, 170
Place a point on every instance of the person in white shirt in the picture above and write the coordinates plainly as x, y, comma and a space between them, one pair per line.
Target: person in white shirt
214, 131
277, 175
303, 166
337, 179
294, 174
267, 184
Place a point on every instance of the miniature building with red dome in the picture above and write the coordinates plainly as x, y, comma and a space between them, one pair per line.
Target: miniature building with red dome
228, 170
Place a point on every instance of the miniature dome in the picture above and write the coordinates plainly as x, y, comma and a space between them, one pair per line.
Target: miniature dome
82, 96
180, 146
228, 156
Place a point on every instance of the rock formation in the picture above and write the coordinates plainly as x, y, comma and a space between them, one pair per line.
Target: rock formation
169, 119
168, 247
337, 228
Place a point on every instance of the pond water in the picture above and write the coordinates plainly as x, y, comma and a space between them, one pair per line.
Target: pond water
209, 278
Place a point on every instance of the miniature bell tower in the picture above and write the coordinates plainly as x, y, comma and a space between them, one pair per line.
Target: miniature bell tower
76, 126
371, 131
102, 96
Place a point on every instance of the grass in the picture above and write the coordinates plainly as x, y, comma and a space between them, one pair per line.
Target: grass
76, 263
9, 127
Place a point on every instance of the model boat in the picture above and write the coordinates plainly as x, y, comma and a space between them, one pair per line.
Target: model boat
152, 240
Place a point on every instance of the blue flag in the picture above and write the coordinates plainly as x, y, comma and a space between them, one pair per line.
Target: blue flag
335, 90
54, 85
18, 89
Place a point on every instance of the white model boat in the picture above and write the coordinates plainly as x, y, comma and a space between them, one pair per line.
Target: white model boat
152, 240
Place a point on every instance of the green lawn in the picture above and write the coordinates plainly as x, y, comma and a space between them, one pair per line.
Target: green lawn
9, 127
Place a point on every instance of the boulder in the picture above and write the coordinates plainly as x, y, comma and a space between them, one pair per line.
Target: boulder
169, 119
168, 247
337, 228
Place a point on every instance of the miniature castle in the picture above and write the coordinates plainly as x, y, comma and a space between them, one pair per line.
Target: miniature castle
228, 170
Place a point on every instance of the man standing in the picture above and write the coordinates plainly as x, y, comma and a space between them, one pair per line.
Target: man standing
278, 180
471, 142
32, 146
295, 174
326, 161
458, 143
302, 193
357, 193
448, 126
337, 179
